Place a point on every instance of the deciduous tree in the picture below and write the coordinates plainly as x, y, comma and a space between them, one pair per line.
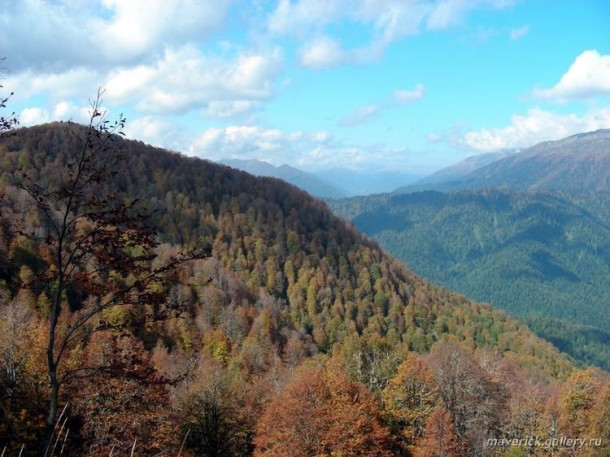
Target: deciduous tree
577, 399
96, 242
475, 402
441, 439
322, 413
409, 399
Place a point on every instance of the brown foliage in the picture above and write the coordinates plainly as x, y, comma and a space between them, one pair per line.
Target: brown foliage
441, 438
113, 407
322, 413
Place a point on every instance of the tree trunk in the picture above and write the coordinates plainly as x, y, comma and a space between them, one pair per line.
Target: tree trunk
52, 416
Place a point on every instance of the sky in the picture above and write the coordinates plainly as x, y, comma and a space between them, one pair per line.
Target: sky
401, 85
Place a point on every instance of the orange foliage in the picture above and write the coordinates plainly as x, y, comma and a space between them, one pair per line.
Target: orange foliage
322, 413
128, 403
441, 438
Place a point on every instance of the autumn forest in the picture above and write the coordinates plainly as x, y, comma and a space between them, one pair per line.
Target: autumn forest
158, 304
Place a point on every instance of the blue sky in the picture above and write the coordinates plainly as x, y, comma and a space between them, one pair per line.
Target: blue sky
410, 85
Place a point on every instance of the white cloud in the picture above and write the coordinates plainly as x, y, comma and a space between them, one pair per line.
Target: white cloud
448, 12
75, 82
434, 138
386, 21
50, 36
368, 113
406, 96
395, 20
307, 150
323, 52
534, 127
242, 141
158, 131
237, 140
185, 79
181, 80
587, 77
62, 111
299, 17
33, 116
137, 26
516, 34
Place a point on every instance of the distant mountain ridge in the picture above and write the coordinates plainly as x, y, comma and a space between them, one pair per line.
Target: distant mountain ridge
306, 181
579, 163
457, 171
331, 184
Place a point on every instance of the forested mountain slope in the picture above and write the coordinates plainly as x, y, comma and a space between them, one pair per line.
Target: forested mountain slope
292, 305
273, 238
534, 254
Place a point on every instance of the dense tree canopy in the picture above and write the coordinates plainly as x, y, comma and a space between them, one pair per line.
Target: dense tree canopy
537, 255
291, 301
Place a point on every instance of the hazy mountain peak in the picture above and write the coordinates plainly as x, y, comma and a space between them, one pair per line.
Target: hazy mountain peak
307, 181
578, 163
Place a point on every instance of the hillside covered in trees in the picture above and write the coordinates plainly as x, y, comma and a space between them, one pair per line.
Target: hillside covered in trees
535, 254
293, 334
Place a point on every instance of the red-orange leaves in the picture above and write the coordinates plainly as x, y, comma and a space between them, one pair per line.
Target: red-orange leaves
440, 439
322, 413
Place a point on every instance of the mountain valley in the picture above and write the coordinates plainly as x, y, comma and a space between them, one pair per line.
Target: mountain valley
528, 232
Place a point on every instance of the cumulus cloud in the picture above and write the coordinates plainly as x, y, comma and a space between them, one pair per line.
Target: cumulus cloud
147, 52
302, 15
62, 111
185, 79
448, 12
158, 131
434, 138
395, 20
73, 82
244, 141
33, 116
323, 52
220, 109
308, 150
137, 26
587, 77
536, 126
50, 36
182, 79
